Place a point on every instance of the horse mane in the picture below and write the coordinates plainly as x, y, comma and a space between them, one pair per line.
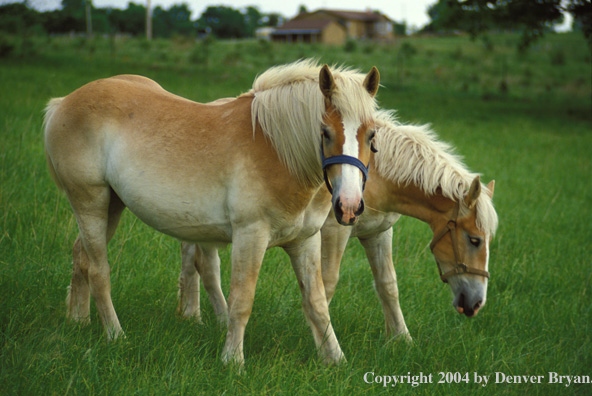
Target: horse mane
412, 154
289, 106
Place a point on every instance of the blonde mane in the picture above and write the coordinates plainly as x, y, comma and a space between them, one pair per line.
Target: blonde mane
409, 154
289, 106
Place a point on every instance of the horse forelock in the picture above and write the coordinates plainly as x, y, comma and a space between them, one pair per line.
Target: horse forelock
412, 154
289, 107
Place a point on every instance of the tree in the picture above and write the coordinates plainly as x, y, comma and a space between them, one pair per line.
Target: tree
18, 18
224, 22
531, 17
400, 28
175, 20
253, 20
131, 20
581, 10
71, 17
273, 19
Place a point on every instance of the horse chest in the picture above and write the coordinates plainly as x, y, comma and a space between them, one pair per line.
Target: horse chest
372, 223
301, 226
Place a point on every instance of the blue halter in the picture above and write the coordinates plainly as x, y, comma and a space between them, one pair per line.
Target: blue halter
342, 159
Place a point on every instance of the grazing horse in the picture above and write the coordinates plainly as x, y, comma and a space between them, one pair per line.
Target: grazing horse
412, 174
244, 172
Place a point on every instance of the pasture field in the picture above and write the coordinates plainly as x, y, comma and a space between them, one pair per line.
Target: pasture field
524, 120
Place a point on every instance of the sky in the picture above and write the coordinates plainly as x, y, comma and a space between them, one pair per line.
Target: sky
414, 12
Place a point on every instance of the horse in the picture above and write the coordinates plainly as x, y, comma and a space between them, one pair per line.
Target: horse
411, 174
244, 172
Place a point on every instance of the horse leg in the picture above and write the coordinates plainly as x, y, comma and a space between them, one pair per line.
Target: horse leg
78, 299
97, 210
200, 261
379, 251
305, 257
189, 282
248, 248
334, 238
209, 269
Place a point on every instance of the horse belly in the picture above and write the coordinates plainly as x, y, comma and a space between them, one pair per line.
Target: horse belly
189, 210
189, 218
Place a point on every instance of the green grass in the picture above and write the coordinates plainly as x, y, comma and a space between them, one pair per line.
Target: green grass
535, 139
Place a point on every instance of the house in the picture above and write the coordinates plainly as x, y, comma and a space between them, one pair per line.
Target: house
335, 27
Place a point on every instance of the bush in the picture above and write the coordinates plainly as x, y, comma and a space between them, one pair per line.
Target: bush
6, 46
557, 57
351, 45
368, 48
407, 50
201, 51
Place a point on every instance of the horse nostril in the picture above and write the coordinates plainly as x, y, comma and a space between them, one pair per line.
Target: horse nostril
477, 305
461, 303
360, 208
337, 208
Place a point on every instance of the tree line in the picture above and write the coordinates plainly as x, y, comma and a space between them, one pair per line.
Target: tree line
531, 18
76, 16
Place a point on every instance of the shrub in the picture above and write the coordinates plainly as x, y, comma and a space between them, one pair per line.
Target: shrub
407, 50
6, 46
557, 57
351, 45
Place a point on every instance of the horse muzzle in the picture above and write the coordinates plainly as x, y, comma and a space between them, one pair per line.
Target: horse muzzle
349, 206
347, 214
467, 304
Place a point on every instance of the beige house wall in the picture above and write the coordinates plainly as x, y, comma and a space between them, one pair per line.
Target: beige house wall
356, 29
333, 34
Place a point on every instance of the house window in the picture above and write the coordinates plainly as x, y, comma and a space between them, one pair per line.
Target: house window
383, 28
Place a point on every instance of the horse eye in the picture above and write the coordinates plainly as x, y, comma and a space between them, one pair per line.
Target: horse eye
475, 241
372, 136
325, 132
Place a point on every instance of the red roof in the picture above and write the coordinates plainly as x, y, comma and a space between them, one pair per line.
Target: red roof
359, 15
308, 25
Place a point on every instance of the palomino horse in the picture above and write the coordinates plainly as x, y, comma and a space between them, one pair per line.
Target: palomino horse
244, 172
411, 174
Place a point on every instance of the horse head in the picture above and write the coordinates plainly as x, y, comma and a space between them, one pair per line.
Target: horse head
347, 135
461, 250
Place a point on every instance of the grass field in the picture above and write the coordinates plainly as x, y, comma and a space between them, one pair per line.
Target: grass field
525, 120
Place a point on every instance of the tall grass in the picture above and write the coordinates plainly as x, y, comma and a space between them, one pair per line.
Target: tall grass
534, 138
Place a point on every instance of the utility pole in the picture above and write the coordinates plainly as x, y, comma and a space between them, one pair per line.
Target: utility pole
148, 21
88, 19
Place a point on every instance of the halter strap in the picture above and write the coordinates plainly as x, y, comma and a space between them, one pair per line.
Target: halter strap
460, 267
342, 159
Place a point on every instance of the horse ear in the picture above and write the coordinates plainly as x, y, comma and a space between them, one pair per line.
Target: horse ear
326, 82
490, 188
474, 192
372, 81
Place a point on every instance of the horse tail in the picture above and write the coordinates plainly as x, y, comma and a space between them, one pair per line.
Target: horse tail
50, 110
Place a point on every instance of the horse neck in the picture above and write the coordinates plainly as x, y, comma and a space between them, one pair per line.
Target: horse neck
408, 200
